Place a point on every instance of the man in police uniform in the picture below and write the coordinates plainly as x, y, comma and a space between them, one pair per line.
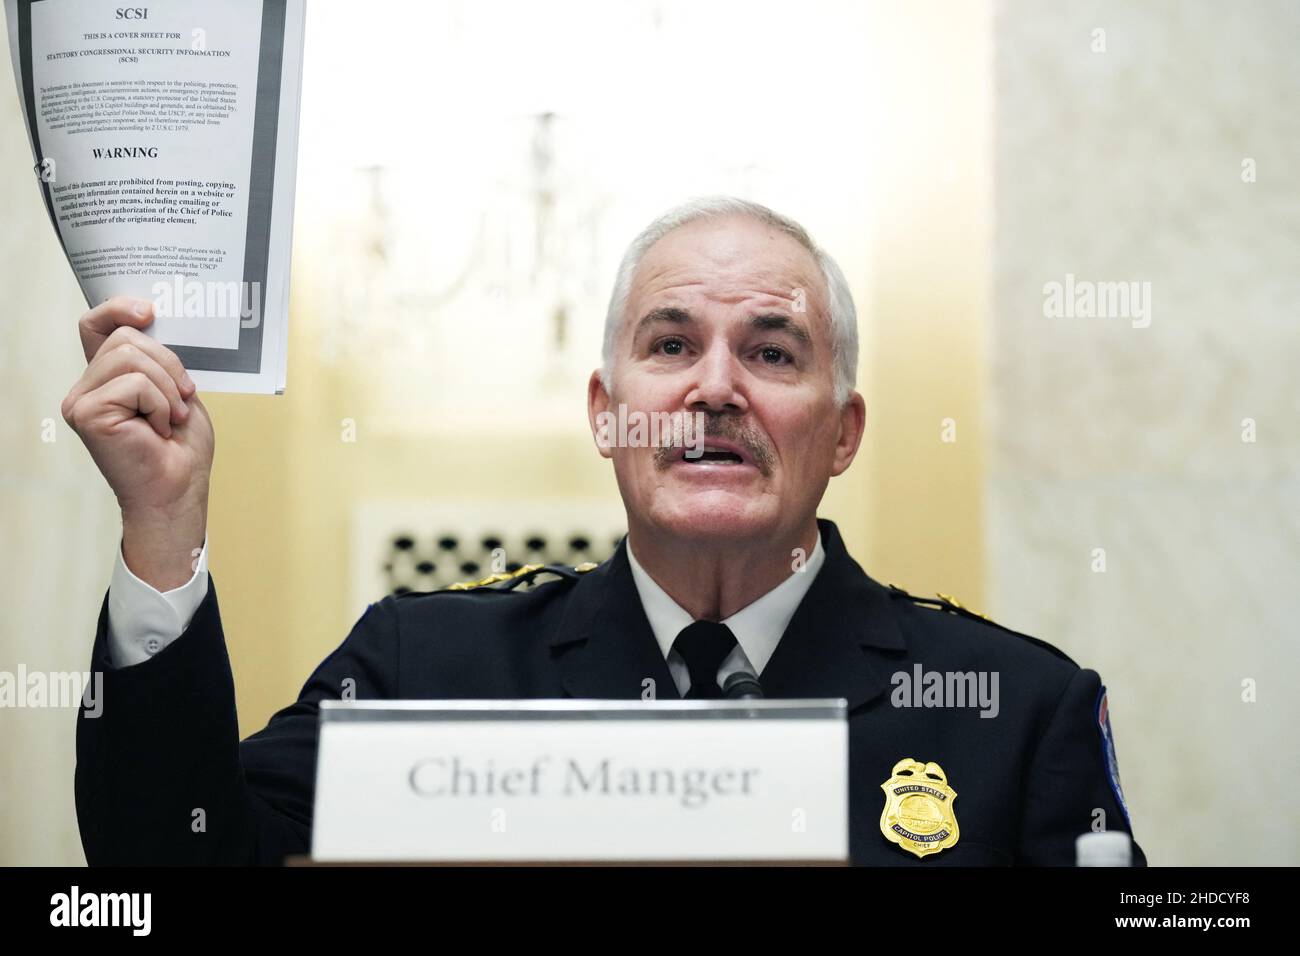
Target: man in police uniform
721, 308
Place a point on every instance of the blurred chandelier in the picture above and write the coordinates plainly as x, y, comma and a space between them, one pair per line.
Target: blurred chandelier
428, 275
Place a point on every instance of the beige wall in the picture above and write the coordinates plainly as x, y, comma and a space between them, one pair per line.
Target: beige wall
926, 311
1127, 165
58, 521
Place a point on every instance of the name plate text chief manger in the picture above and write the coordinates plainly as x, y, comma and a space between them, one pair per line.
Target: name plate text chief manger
721, 307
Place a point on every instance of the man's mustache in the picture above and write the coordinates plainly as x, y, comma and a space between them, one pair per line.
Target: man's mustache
722, 425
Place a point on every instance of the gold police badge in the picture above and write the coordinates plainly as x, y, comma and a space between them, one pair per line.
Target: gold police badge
918, 813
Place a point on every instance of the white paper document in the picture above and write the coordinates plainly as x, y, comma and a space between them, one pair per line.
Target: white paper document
165, 143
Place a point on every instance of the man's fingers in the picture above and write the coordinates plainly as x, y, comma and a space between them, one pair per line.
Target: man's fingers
127, 356
121, 398
100, 322
156, 351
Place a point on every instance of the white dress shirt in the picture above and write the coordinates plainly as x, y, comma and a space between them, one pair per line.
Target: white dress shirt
758, 626
143, 620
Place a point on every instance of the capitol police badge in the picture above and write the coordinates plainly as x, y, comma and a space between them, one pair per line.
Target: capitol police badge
918, 813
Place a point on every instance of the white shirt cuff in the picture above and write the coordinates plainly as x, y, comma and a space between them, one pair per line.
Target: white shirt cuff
143, 620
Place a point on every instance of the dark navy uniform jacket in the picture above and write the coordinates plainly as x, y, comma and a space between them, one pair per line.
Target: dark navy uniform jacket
1029, 781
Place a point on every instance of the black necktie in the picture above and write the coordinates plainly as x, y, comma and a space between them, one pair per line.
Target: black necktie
704, 645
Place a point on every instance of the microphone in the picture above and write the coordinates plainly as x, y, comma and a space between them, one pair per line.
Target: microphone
742, 686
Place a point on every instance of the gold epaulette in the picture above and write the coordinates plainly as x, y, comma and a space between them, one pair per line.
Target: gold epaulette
526, 573
942, 601
949, 599
946, 602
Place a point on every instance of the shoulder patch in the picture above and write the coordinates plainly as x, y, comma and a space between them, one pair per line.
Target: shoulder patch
509, 580
1108, 753
945, 602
